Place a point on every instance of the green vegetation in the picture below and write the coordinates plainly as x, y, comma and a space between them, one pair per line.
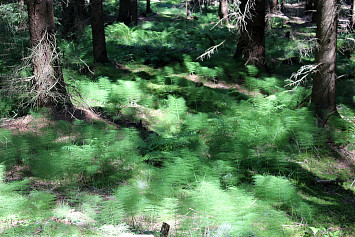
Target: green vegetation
213, 147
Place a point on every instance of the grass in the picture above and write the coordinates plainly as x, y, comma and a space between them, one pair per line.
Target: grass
213, 147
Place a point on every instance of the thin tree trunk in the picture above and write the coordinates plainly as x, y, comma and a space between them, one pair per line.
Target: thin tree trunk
353, 15
223, 10
274, 6
73, 17
271, 6
251, 43
323, 91
282, 5
128, 12
48, 76
148, 10
309, 5
98, 32
311, 9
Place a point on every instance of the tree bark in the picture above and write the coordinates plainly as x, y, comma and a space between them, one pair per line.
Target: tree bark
98, 32
48, 76
309, 5
282, 5
323, 91
223, 10
311, 9
73, 18
148, 10
251, 43
353, 15
274, 6
128, 12
164, 231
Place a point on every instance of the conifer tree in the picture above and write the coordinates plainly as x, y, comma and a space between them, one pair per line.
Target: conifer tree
73, 17
128, 12
323, 91
148, 9
50, 90
272, 5
251, 43
223, 10
311, 9
98, 32
353, 14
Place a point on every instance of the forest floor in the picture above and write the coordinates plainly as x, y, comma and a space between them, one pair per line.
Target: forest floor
213, 148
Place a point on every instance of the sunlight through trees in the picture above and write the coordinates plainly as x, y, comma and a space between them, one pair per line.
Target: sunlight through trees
177, 118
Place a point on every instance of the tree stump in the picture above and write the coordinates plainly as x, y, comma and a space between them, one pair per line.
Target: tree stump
164, 230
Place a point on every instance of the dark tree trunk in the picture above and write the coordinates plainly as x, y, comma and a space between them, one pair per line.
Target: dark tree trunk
323, 91
251, 44
282, 5
98, 32
271, 6
274, 6
309, 5
148, 10
311, 9
128, 12
48, 76
223, 10
164, 231
353, 15
73, 17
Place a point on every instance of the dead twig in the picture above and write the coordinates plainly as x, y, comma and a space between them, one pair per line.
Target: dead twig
301, 75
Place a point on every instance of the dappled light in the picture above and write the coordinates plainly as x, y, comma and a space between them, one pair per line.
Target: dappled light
212, 147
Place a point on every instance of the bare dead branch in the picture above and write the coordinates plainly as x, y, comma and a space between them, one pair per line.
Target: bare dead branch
301, 75
210, 51
236, 23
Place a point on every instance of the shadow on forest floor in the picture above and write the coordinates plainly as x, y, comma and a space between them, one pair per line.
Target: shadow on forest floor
211, 147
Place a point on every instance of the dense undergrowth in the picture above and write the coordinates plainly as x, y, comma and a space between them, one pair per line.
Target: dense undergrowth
213, 147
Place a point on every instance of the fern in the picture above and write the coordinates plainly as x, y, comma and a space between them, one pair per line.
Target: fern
280, 191
111, 212
40, 204
214, 209
177, 107
275, 189
17, 205
13, 205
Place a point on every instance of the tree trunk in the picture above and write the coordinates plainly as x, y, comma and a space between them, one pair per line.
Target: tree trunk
128, 12
274, 6
309, 5
148, 10
323, 91
282, 5
98, 32
271, 6
353, 15
251, 44
48, 76
73, 17
311, 9
164, 231
223, 10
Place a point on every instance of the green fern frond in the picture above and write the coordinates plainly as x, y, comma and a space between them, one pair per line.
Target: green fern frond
275, 189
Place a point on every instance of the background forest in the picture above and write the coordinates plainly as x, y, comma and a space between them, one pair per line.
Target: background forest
118, 116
